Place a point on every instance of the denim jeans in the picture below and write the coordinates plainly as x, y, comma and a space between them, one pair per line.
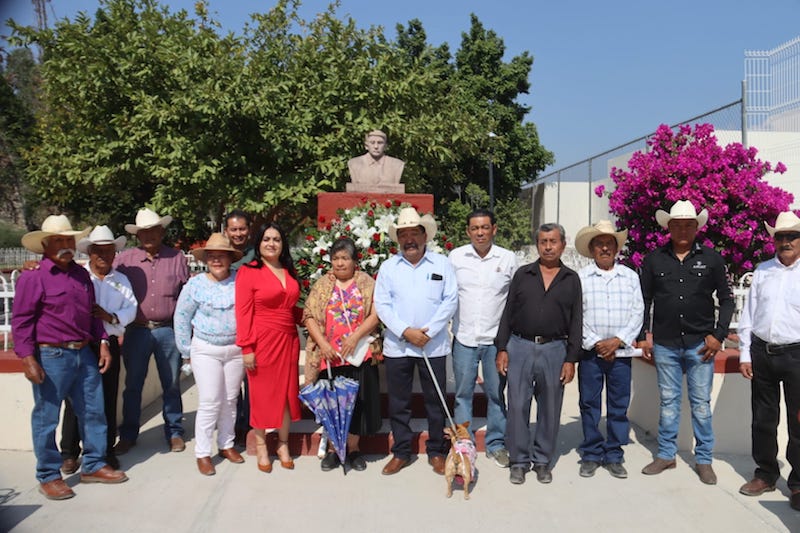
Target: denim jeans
139, 343
593, 372
69, 374
465, 367
671, 363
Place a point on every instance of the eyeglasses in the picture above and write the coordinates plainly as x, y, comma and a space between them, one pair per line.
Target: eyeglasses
787, 236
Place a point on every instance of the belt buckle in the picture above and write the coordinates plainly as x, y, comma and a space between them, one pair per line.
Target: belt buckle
538, 339
73, 345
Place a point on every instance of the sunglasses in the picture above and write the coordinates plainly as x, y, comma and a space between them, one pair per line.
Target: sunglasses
787, 236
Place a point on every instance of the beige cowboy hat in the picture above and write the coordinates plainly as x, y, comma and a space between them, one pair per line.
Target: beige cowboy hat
219, 243
682, 210
101, 235
409, 218
786, 221
52, 225
603, 227
146, 219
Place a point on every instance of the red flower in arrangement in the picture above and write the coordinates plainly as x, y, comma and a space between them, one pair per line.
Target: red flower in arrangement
448, 245
363, 199
387, 204
370, 213
359, 255
321, 218
371, 250
397, 203
373, 205
393, 250
347, 227
309, 237
303, 262
323, 252
306, 283
376, 237
444, 238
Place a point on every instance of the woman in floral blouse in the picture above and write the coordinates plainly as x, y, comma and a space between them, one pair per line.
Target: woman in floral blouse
338, 313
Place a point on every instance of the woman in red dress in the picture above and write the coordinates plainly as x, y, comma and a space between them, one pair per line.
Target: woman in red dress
266, 316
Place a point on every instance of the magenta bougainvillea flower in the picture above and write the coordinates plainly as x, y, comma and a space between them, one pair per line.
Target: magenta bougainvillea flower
690, 165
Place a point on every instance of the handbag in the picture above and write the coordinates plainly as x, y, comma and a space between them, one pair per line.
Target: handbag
362, 346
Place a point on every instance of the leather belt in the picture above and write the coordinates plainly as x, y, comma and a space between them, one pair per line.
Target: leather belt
538, 339
150, 324
69, 345
776, 349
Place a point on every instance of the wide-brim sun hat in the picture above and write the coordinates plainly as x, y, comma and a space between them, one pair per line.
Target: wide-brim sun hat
52, 225
786, 221
603, 227
409, 218
682, 210
101, 235
146, 219
217, 242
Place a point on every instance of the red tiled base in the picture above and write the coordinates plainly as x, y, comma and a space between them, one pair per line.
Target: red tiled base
10, 363
381, 443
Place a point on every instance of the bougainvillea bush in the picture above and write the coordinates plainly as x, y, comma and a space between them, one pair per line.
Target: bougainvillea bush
690, 165
368, 225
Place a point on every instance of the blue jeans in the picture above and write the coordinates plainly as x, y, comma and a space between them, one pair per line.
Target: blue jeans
593, 372
69, 374
465, 367
671, 363
139, 343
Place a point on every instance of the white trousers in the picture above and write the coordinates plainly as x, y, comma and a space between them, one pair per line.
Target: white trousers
218, 373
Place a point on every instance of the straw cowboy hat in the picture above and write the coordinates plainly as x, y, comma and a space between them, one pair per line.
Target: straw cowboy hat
101, 235
786, 221
682, 210
603, 227
146, 219
409, 218
218, 243
52, 225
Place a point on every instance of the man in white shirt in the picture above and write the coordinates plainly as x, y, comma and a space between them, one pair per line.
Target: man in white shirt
613, 311
769, 345
484, 272
115, 304
415, 295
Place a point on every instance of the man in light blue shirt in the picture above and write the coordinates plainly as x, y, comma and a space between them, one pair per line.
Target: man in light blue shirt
613, 311
483, 271
416, 295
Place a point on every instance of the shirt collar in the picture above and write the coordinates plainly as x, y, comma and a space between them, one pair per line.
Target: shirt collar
48, 264
424, 258
491, 253
597, 271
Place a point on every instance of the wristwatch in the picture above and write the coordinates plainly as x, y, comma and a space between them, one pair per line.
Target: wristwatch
114, 319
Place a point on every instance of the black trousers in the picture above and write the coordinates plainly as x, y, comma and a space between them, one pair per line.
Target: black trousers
399, 382
769, 370
70, 432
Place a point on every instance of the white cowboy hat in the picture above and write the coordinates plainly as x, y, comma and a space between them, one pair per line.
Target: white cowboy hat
52, 225
101, 235
682, 210
217, 242
603, 227
409, 218
786, 221
146, 219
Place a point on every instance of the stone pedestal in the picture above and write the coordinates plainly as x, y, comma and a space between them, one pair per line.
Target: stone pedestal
329, 202
378, 188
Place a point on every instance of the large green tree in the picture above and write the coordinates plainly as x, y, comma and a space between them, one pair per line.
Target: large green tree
145, 106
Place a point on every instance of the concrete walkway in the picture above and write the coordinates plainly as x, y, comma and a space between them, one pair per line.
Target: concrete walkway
166, 493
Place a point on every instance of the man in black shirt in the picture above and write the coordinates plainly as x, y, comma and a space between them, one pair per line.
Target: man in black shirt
680, 279
538, 343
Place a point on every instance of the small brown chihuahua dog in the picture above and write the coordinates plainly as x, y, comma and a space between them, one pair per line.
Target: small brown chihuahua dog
461, 459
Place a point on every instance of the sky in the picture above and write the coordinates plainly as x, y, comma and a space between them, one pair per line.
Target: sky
604, 73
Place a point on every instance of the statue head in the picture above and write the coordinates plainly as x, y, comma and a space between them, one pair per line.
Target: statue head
375, 143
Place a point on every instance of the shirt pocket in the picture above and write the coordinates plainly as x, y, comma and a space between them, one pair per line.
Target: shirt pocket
434, 289
56, 299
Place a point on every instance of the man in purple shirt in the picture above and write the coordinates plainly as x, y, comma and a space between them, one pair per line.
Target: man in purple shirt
52, 324
157, 273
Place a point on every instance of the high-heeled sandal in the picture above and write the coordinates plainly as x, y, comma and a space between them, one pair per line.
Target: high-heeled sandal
288, 465
267, 468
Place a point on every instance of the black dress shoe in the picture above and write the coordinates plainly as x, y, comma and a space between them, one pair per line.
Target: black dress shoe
543, 474
329, 462
517, 474
357, 461
70, 465
794, 500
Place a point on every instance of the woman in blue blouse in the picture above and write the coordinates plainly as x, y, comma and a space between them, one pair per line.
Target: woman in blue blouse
205, 332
